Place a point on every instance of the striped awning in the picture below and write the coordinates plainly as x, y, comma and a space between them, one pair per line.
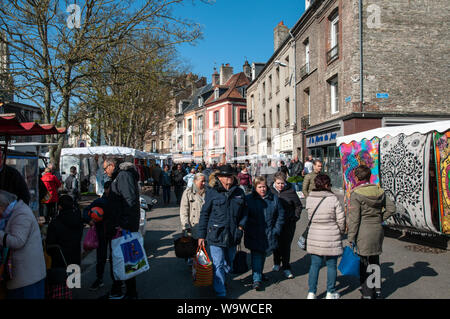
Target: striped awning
10, 126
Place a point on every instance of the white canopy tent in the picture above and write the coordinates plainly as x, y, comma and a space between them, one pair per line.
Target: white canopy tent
107, 151
440, 126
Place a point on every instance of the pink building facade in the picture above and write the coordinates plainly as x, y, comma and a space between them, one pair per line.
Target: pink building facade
226, 116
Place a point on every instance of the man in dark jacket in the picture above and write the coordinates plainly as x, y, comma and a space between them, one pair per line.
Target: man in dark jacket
292, 208
12, 181
178, 182
222, 221
296, 167
124, 201
156, 175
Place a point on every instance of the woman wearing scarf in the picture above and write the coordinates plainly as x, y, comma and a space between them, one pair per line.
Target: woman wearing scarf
19, 233
191, 204
369, 207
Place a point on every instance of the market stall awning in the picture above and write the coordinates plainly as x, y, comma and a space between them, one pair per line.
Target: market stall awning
439, 126
105, 150
10, 126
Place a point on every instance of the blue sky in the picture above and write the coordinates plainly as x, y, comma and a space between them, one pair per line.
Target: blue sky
235, 30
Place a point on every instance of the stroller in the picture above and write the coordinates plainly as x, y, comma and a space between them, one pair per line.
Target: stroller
56, 286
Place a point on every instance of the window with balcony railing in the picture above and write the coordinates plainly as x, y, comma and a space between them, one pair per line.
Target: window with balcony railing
304, 70
286, 80
333, 53
304, 122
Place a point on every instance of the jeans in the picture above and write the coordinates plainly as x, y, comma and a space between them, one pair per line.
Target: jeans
166, 194
222, 259
179, 192
156, 188
316, 264
258, 259
282, 254
34, 291
50, 211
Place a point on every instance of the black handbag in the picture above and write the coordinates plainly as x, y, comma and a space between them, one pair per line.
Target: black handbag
240, 265
303, 238
185, 247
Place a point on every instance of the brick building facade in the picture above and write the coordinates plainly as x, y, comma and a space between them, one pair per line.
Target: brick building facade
404, 65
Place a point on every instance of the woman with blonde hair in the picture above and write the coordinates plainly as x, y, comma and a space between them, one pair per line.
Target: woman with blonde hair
325, 234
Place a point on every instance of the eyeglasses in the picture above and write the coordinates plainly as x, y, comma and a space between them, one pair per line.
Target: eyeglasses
105, 167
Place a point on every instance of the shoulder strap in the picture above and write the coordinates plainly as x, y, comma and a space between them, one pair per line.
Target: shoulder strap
312, 216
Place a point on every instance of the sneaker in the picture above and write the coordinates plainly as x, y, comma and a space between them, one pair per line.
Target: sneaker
257, 286
288, 274
333, 295
276, 268
265, 278
311, 295
96, 285
115, 296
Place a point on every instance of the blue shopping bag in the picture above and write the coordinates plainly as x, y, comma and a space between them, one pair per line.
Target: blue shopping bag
349, 265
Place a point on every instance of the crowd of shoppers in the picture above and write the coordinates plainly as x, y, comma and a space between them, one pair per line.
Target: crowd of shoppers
236, 205
221, 205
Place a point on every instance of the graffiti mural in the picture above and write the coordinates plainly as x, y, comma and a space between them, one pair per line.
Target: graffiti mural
404, 166
355, 154
442, 149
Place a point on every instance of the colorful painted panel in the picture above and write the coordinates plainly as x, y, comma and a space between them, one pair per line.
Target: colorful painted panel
404, 166
442, 149
355, 154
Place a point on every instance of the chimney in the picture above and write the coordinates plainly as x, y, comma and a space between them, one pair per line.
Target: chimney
247, 69
215, 78
279, 35
190, 82
200, 83
226, 72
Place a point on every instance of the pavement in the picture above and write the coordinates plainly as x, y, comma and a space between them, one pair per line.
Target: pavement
409, 270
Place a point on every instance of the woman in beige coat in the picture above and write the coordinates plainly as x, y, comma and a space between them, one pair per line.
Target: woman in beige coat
325, 234
191, 204
19, 232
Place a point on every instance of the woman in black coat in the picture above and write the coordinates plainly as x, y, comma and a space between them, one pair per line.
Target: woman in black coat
292, 209
264, 223
66, 231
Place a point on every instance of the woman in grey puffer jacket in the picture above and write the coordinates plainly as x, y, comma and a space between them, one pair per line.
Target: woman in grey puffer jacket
325, 234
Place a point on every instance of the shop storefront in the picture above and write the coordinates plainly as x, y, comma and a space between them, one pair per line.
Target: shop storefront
322, 146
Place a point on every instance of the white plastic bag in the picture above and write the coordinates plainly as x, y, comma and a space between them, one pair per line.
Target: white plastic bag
128, 256
202, 259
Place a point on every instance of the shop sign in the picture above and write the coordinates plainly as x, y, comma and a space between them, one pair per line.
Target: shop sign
382, 95
322, 139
